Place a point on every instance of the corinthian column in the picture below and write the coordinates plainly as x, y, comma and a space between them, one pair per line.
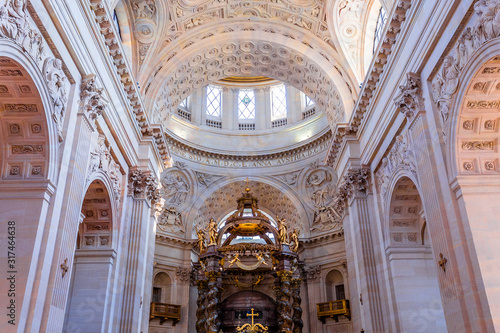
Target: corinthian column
142, 194
356, 194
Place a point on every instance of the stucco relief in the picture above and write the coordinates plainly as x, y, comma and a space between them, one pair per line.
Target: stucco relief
145, 13
92, 101
401, 156
483, 27
170, 220
102, 160
177, 187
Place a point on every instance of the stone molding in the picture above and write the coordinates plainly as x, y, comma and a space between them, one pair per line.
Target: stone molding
370, 85
123, 71
263, 160
143, 185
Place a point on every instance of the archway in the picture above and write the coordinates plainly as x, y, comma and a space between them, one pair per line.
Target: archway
474, 162
27, 163
162, 288
414, 279
88, 305
334, 286
236, 307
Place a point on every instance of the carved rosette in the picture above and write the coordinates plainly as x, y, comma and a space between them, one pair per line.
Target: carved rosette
143, 186
92, 102
410, 102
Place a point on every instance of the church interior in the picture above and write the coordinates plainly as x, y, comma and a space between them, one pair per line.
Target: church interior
225, 166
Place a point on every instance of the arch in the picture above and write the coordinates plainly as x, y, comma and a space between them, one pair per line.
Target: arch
203, 60
487, 52
273, 198
21, 70
163, 284
411, 263
334, 285
94, 256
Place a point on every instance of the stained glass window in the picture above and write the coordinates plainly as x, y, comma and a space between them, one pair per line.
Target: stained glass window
214, 101
278, 102
382, 19
246, 104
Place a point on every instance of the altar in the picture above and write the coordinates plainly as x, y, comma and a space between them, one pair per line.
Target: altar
248, 273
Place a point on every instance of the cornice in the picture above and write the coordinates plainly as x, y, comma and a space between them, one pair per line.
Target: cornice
128, 83
337, 235
174, 143
166, 239
378, 66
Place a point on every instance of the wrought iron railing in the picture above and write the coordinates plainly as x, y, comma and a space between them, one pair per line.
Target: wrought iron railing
334, 310
165, 311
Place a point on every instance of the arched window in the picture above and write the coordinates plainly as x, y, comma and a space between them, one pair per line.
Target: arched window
278, 102
246, 104
214, 101
382, 19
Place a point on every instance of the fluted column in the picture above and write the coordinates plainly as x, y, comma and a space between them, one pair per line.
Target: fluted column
298, 324
143, 192
356, 191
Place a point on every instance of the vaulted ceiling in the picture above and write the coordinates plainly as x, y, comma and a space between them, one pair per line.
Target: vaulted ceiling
322, 47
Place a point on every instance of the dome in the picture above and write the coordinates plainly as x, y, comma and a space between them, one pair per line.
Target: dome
245, 116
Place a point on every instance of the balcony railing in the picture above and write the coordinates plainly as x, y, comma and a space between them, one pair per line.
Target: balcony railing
165, 311
334, 310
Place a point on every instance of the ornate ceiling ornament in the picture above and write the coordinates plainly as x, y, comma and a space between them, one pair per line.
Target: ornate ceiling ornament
246, 58
480, 29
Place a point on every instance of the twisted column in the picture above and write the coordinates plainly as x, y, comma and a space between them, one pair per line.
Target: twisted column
213, 298
297, 310
279, 307
285, 313
201, 320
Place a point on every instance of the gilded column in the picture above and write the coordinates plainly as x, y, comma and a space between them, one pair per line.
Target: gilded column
213, 299
297, 310
201, 319
286, 310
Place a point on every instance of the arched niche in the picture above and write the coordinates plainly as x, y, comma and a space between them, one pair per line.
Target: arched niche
473, 157
162, 288
28, 169
334, 286
412, 268
93, 263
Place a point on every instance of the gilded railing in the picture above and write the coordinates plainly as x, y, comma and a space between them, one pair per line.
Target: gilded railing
334, 309
165, 311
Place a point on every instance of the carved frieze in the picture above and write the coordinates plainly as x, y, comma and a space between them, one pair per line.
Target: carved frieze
175, 187
27, 149
21, 108
326, 218
478, 145
205, 179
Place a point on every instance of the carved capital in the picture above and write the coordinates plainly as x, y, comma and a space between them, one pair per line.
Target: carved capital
92, 102
356, 182
410, 101
312, 273
143, 185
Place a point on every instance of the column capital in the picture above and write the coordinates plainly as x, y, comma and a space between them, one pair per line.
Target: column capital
357, 182
143, 185
410, 100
